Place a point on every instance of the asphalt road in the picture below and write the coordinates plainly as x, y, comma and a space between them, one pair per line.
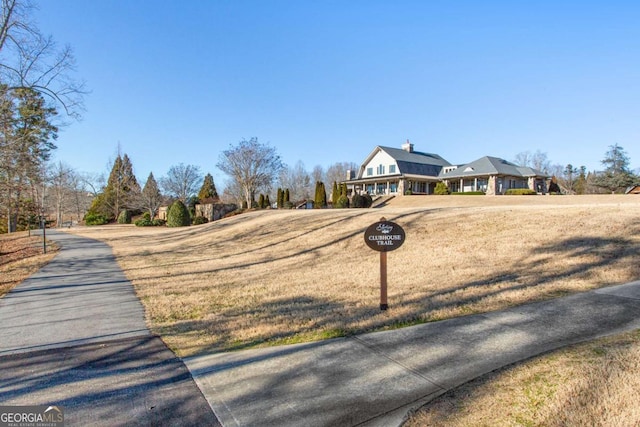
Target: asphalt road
74, 335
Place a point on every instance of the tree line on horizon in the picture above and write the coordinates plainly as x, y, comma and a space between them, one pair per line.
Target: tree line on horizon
616, 176
252, 169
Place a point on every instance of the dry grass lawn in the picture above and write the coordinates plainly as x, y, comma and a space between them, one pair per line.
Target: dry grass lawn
591, 384
20, 257
273, 277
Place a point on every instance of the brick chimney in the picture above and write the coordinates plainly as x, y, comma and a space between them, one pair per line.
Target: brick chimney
408, 147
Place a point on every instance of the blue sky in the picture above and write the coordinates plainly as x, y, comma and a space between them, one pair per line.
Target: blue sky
325, 81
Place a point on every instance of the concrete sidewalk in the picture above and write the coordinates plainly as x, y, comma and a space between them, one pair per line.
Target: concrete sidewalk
376, 379
74, 335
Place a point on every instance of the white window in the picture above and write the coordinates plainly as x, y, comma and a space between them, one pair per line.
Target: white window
392, 168
381, 170
369, 171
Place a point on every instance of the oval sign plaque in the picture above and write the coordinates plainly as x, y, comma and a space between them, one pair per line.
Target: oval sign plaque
384, 236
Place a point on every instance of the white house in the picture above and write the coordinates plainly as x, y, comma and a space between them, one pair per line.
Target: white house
395, 171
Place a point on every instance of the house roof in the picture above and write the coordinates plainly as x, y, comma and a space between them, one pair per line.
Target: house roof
411, 162
491, 166
634, 189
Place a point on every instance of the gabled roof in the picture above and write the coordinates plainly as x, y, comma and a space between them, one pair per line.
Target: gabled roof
634, 189
411, 162
419, 157
491, 166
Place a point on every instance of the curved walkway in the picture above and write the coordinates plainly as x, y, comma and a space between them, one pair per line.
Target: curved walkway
377, 379
74, 335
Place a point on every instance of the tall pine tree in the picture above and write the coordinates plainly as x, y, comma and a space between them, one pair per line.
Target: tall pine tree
208, 192
280, 198
122, 188
26, 141
151, 199
320, 201
617, 176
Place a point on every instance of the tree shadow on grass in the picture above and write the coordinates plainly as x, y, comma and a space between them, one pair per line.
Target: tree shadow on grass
304, 318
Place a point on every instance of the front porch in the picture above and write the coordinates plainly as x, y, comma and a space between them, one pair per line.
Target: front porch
391, 186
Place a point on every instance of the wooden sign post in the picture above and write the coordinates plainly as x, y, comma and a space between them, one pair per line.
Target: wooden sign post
384, 236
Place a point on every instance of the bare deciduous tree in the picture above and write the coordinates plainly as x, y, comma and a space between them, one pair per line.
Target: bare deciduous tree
252, 166
182, 181
297, 180
61, 182
537, 160
35, 80
31, 60
337, 172
317, 174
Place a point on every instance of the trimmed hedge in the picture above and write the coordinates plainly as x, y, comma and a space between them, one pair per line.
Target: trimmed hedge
469, 193
200, 220
178, 215
95, 219
361, 201
124, 217
520, 192
342, 202
441, 189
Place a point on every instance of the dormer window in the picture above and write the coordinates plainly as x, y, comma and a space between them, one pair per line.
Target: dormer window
469, 169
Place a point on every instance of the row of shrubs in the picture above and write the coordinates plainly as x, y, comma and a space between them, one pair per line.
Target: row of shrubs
146, 221
520, 192
442, 189
177, 216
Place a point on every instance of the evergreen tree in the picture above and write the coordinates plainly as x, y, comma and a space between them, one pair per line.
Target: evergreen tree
178, 215
124, 217
122, 188
208, 189
342, 202
267, 202
617, 176
261, 201
151, 199
580, 185
320, 200
335, 195
286, 195
26, 141
441, 189
280, 198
